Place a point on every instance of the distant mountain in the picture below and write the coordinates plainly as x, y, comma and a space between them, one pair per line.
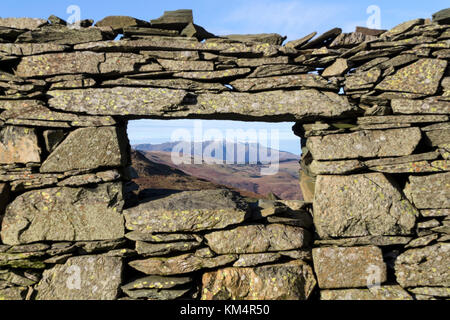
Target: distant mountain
245, 153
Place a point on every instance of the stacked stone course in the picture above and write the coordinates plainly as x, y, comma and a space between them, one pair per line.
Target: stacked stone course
372, 111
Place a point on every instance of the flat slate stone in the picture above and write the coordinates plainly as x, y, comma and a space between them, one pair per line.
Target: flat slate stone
430, 191
88, 148
258, 239
256, 62
62, 35
186, 65
422, 76
65, 214
28, 49
22, 23
424, 267
402, 160
298, 43
402, 28
335, 167
402, 119
252, 260
186, 263
183, 84
19, 145
431, 291
289, 281
365, 144
188, 211
162, 249
352, 267
118, 23
442, 16
226, 74
157, 282
379, 241
60, 63
361, 205
277, 70
386, 292
82, 278
177, 19
437, 138
270, 38
415, 167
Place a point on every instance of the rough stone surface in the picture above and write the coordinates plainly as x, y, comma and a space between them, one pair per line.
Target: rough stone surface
22, 23
353, 267
254, 259
82, 278
258, 238
361, 205
365, 144
88, 148
65, 214
430, 106
118, 23
188, 211
430, 191
387, 292
424, 266
289, 281
18, 145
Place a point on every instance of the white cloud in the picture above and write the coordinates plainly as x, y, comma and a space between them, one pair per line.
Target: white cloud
293, 18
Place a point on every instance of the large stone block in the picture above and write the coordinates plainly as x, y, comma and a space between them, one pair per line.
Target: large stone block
65, 214
430, 191
427, 266
353, 267
361, 205
365, 144
188, 211
82, 278
19, 145
389, 292
258, 238
289, 281
89, 148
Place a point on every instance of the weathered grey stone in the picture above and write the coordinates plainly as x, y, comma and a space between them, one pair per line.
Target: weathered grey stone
365, 144
422, 241
65, 214
251, 260
188, 211
88, 148
338, 68
422, 76
183, 264
323, 39
282, 82
362, 79
353, 267
361, 205
28, 260
193, 30
379, 241
13, 293
296, 44
161, 237
402, 160
431, 291
226, 74
346, 40
19, 145
258, 239
186, 65
156, 282
118, 63
430, 191
22, 23
82, 278
442, 16
143, 32
52, 138
177, 20
277, 70
22, 49
162, 249
437, 138
60, 63
157, 294
62, 35
386, 292
435, 213
402, 28
336, 167
256, 62
402, 119
270, 38
118, 23
90, 178
415, 167
288, 281
172, 55
424, 267
16, 278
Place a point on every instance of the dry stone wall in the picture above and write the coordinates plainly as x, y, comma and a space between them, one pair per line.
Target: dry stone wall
372, 112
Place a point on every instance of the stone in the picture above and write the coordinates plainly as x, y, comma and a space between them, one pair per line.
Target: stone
362, 79
379, 241
365, 144
386, 292
258, 238
60, 63
88, 148
348, 40
295, 218
182, 264
437, 138
338, 68
90, 178
255, 259
431, 291
402, 160
435, 213
54, 20
336, 167
162, 237
53, 138
19, 145
429, 191
82, 278
416, 167
28, 49
118, 23
442, 16
323, 39
119, 63
402, 28
256, 62
220, 75
288, 281
175, 20
188, 211
282, 82
424, 267
172, 55
157, 282
297, 44
270, 38
65, 214
142, 32
157, 294
22, 23
422, 76
422, 241
277, 70
162, 249
195, 31
28, 260
180, 65
426, 106
62, 35
361, 205
13, 293
353, 267
183, 84
401, 119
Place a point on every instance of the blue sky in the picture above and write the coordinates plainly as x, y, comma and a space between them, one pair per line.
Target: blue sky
293, 18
